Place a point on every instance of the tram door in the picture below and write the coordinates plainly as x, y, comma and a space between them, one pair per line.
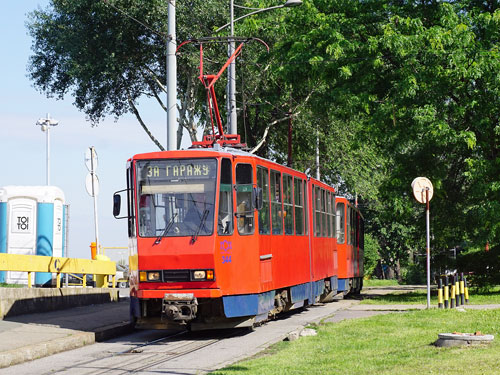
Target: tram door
264, 224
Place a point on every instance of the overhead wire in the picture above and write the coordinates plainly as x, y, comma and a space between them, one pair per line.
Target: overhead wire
161, 35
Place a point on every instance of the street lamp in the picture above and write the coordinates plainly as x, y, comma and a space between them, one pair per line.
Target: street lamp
233, 127
45, 124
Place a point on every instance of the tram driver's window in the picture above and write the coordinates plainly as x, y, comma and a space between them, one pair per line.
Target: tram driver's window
225, 220
244, 206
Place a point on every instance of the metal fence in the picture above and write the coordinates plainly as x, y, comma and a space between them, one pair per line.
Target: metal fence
102, 269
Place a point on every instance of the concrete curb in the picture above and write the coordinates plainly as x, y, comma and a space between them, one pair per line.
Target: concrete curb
112, 331
31, 352
74, 340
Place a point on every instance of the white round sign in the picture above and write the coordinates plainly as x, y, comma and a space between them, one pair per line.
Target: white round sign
92, 184
91, 159
419, 186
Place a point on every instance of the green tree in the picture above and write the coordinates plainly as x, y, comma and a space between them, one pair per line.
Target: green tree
395, 90
109, 54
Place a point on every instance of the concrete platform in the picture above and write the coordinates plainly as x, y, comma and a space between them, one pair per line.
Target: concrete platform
30, 336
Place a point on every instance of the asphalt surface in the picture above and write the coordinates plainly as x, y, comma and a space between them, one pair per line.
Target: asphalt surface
28, 337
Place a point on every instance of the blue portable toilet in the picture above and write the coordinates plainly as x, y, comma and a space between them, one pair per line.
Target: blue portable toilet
32, 222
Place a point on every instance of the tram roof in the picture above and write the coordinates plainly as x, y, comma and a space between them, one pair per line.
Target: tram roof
217, 150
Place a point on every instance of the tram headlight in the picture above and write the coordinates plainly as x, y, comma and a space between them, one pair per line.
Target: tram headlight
149, 276
154, 276
199, 275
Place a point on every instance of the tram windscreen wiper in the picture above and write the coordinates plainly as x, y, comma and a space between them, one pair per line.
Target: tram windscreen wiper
202, 223
167, 228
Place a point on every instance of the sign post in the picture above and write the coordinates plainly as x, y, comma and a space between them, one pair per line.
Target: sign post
92, 186
423, 191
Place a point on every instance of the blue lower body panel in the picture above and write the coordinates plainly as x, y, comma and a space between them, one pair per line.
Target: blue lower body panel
334, 283
257, 304
248, 304
343, 285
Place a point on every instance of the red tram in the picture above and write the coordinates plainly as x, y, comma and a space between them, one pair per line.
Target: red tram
223, 238
219, 237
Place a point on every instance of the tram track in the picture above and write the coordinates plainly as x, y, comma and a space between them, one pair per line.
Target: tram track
147, 355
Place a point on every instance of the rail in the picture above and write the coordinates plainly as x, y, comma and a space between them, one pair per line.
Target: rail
59, 265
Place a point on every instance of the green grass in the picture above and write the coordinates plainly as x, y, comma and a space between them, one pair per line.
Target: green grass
377, 282
420, 297
5, 285
399, 343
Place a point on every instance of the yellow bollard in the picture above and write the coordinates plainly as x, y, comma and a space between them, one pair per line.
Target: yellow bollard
462, 289
440, 293
446, 293
452, 296
466, 290
457, 291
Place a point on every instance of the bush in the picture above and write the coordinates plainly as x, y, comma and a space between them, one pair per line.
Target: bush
414, 274
482, 267
371, 250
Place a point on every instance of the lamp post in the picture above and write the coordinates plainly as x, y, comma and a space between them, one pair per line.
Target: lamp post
45, 124
231, 87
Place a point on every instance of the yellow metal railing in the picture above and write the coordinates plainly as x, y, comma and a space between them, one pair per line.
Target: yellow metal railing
57, 265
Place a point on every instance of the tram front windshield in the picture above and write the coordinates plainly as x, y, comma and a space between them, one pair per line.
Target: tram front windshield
176, 197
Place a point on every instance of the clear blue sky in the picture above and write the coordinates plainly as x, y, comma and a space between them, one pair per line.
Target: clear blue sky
23, 144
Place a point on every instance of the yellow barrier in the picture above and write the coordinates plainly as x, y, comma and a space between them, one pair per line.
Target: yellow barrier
38, 263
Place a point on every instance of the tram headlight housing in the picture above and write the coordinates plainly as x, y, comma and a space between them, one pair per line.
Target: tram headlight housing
151, 276
202, 275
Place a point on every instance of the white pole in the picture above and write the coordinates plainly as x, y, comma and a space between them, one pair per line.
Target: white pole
233, 128
428, 246
171, 79
48, 149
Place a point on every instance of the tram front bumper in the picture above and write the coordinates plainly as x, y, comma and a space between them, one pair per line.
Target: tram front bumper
179, 306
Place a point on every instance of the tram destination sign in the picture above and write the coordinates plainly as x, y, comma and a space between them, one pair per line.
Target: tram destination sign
177, 169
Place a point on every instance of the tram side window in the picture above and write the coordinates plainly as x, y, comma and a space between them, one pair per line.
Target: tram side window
298, 206
334, 217
244, 206
264, 213
276, 209
329, 212
353, 225
288, 204
348, 225
225, 218
324, 215
317, 196
340, 223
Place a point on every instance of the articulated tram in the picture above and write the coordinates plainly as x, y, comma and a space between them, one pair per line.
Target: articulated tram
222, 238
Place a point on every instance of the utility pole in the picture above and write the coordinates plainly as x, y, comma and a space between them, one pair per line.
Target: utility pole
171, 79
231, 73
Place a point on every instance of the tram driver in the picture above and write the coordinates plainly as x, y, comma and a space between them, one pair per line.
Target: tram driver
200, 213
